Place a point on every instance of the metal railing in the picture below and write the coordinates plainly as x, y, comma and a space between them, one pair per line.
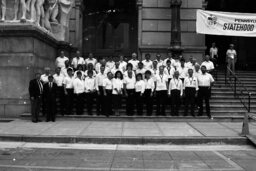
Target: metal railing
240, 90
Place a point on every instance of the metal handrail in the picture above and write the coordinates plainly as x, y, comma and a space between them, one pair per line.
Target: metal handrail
234, 81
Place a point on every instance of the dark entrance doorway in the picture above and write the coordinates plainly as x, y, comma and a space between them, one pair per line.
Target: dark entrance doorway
245, 46
110, 27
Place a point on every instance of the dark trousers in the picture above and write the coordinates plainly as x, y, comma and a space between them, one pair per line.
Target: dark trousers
130, 102
139, 103
50, 109
204, 95
100, 101
90, 100
175, 102
161, 97
108, 103
35, 108
43, 102
69, 101
148, 101
60, 96
190, 96
79, 103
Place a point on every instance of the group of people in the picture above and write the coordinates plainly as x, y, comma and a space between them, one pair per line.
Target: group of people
143, 83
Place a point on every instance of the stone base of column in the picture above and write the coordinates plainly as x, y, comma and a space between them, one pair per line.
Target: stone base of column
24, 50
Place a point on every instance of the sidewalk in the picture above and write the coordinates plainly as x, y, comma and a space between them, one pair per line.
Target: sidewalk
124, 132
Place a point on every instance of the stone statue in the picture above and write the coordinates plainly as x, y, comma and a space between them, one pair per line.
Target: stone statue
65, 8
51, 13
40, 13
3, 9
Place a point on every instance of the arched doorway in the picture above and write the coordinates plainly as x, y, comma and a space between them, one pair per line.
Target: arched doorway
110, 27
245, 46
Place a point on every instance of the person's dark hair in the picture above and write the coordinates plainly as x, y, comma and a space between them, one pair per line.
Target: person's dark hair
79, 73
69, 69
80, 66
50, 77
203, 66
182, 60
140, 63
138, 75
109, 73
148, 72
147, 55
168, 61
120, 74
129, 65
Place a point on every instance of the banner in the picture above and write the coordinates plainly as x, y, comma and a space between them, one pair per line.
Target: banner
226, 23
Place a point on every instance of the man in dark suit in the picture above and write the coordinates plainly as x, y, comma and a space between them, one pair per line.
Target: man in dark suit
50, 89
35, 92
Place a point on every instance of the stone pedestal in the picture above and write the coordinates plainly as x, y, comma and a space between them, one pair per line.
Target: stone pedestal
24, 50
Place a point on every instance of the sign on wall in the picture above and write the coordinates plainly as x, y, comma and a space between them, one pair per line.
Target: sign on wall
226, 23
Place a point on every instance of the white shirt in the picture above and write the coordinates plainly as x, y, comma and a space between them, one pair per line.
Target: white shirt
68, 82
117, 84
205, 80
140, 86
213, 51
169, 71
134, 64
183, 72
147, 64
89, 84
150, 84
197, 73
126, 74
77, 61
129, 82
189, 65
176, 84
209, 65
161, 81
44, 78
58, 79
159, 63
78, 86
99, 80
122, 65
108, 84
176, 64
92, 61
141, 71
231, 53
191, 82
60, 62
114, 70
110, 65
154, 73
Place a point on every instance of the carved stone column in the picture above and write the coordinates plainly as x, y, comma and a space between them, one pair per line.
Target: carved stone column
175, 47
139, 6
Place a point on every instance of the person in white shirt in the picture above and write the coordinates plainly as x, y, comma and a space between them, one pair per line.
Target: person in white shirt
78, 60
122, 63
107, 88
69, 91
110, 64
205, 82
129, 89
59, 79
190, 88
231, 57
60, 61
214, 53
197, 71
90, 60
169, 58
175, 92
147, 63
183, 71
176, 63
44, 77
149, 92
129, 68
90, 90
189, 64
79, 93
141, 70
208, 64
79, 69
154, 71
117, 92
161, 85
160, 62
134, 61
169, 70
44, 80
139, 91
102, 62
99, 87
90, 68
116, 68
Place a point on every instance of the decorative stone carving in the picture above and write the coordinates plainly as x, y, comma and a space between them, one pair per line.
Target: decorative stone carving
3, 10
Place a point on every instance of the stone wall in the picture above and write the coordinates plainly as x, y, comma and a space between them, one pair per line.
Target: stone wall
155, 29
24, 50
